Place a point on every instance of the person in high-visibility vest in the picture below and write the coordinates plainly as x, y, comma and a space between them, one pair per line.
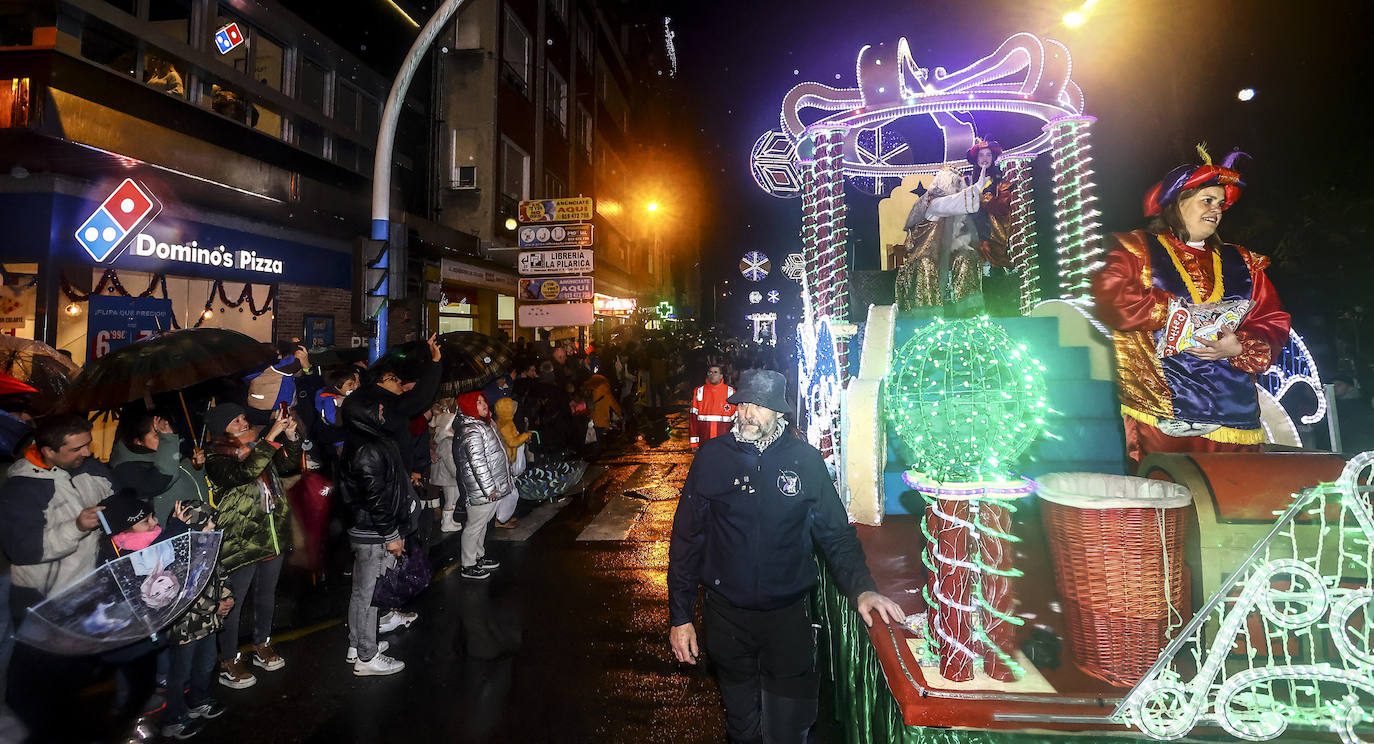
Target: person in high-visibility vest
712, 414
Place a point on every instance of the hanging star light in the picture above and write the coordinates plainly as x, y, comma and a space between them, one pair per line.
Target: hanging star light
774, 296
755, 266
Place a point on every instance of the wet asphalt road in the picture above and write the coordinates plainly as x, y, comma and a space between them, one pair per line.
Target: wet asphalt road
567, 643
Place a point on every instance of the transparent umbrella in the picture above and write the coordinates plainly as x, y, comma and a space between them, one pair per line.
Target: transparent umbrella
125, 600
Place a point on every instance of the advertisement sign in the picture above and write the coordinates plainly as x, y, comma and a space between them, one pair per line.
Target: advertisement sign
475, 275
548, 316
556, 262
319, 331
555, 289
115, 322
617, 306
576, 209
16, 305
556, 236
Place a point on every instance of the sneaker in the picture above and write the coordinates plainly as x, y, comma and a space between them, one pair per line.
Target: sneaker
352, 655
208, 710
449, 524
181, 730
396, 619
488, 564
509, 524
234, 675
378, 666
475, 572
267, 658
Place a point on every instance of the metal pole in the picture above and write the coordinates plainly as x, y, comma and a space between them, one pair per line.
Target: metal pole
1333, 419
386, 137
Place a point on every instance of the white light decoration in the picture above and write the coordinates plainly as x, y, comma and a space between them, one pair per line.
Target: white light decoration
774, 296
1287, 641
793, 266
755, 266
1076, 236
1246, 94
820, 389
1021, 244
1296, 366
765, 328
668, 36
755, 297
880, 146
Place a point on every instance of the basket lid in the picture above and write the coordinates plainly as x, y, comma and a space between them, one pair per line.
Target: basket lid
1102, 491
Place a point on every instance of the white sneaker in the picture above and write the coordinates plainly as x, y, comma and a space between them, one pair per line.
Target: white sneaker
352, 656
378, 666
449, 524
396, 619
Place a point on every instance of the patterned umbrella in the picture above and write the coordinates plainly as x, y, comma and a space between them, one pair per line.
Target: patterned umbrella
166, 363
40, 366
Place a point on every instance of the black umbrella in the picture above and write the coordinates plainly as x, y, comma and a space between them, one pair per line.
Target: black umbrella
469, 360
334, 356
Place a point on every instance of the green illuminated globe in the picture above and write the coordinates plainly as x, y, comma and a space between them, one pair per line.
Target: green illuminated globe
966, 399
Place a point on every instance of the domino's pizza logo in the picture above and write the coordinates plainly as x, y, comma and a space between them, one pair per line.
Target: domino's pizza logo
227, 38
126, 211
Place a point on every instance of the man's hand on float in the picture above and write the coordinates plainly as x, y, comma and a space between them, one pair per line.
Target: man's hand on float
684, 640
1226, 346
891, 612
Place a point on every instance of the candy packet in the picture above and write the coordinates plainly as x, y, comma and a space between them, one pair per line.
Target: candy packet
1185, 323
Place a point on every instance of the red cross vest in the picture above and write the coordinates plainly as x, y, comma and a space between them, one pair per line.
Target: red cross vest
711, 413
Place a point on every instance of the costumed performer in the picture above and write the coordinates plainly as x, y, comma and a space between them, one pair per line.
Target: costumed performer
941, 264
1202, 399
992, 221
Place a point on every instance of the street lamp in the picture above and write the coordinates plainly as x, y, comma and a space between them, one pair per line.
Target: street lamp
652, 207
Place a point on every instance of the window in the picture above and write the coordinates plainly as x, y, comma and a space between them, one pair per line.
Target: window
266, 120
347, 100
584, 39
553, 187
515, 54
371, 119
585, 127
313, 76
310, 137
556, 99
268, 62
225, 101
106, 45
560, 10
515, 171
345, 153
237, 58
165, 73
16, 29
14, 102
171, 17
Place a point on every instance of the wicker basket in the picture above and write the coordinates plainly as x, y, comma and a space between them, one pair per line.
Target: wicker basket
1117, 545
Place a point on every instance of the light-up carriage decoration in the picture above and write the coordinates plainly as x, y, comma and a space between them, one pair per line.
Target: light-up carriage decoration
1270, 629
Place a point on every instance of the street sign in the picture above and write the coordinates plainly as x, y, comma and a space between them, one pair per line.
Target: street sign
576, 261
228, 38
555, 289
556, 236
547, 316
576, 209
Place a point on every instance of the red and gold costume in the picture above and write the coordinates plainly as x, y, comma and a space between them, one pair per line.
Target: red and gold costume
711, 413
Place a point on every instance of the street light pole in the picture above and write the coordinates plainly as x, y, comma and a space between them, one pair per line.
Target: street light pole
381, 167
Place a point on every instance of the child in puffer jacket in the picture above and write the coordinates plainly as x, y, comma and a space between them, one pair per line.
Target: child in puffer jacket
444, 472
513, 441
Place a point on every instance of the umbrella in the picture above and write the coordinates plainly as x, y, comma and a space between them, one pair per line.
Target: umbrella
333, 356
40, 366
13, 386
165, 363
470, 361
130, 598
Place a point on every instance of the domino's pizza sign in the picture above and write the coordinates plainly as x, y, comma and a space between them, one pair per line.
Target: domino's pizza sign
228, 38
125, 211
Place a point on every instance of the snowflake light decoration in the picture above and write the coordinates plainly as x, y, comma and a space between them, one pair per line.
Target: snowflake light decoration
879, 147
773, 165
755, 297
774, 296
755, 266
794, 266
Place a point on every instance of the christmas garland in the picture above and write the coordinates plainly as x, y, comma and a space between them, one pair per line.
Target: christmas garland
109, 281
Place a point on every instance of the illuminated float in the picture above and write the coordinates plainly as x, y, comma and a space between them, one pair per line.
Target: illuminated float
1206, 594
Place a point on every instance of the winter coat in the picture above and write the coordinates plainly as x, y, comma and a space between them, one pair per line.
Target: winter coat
161, 476
505, 424
38, 509
372, 480
400, 409
483, 468
444, 472
274, 385
250, 501
602, 401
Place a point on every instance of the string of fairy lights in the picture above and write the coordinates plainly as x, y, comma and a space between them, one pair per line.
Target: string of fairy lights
1021, 245
1076, 236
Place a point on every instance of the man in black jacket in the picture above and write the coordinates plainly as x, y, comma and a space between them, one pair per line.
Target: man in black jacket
374, 484
757, 503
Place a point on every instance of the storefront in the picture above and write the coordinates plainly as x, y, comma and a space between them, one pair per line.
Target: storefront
612, 313
171, 269
476, 296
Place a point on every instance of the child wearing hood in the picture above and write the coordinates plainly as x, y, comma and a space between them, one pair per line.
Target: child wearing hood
513, 440
483, 478
444, 472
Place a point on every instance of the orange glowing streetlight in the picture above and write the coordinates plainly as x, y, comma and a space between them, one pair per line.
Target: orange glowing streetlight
652, 206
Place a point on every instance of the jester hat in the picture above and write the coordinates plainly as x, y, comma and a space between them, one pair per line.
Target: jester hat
982, 144
1186, 177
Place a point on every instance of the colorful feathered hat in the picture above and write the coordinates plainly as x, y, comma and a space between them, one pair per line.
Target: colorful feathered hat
982, 144
1187, 177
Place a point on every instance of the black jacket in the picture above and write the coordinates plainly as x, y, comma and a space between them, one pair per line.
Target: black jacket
748, 523
372, 479
400, 409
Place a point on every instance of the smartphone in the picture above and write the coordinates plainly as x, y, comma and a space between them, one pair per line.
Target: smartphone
283, 410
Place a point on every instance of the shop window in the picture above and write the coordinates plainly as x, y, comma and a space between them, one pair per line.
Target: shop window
164, 73
14, 103
171, 17
347, 101
312, 82
268, 62
458, 310
556, 99
237, 58
106, 45
515, 55
515, 171
310, 137
267, 121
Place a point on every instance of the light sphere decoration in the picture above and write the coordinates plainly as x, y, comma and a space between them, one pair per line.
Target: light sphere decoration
755, 297
966, 400
794, 266
755, 266
1246, 94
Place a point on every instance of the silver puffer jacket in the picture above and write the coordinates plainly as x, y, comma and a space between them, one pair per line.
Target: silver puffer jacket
483, 469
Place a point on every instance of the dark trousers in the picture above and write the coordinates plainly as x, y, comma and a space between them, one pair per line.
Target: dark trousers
766, 666
41, 689
261, 577
188, 681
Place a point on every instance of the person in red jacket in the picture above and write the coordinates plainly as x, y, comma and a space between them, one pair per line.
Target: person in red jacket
712, 414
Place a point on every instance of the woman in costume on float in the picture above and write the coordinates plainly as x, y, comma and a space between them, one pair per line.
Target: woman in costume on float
992, 221
1182, 392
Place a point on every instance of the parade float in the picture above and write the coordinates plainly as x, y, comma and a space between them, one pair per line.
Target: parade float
1049, 591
